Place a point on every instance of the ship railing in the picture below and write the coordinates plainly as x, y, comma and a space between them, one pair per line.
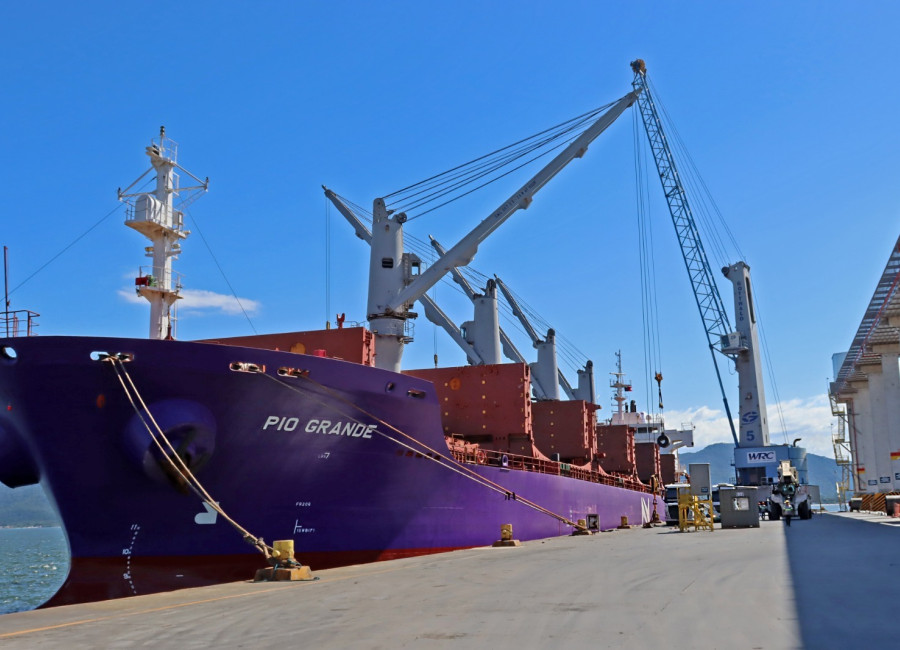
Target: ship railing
129, 214
21, 322
475, 456
158, 216
157, 278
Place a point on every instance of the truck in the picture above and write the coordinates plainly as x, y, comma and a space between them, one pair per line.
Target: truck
789, 497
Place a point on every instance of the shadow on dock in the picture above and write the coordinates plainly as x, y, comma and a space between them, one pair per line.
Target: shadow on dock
844, 573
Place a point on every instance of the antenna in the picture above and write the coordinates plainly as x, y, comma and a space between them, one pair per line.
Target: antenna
6, 288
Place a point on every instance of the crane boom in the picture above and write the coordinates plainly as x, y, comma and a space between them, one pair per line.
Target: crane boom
432, 311
517, 311
509, 348
464, 250
706, 293
546, 371
394, 281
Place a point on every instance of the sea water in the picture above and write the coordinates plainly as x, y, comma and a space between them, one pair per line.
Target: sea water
34, 563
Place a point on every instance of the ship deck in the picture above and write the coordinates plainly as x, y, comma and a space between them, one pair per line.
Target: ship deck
817, 584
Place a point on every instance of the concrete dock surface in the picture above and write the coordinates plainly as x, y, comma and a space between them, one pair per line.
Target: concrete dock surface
825, 583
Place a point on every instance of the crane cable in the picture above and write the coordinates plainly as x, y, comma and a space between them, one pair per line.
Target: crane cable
327, 262
715, 224
183, 471
176, 462
765, 346
487, 156
451, 182
701, 199
78, 238
649, 304
221, 270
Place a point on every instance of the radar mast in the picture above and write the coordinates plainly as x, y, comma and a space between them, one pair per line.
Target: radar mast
159, 216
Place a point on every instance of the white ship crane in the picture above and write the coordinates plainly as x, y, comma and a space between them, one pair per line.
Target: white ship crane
159, 216
432, 311
480, 333
393, 285
482, 330
546, 368
478, 337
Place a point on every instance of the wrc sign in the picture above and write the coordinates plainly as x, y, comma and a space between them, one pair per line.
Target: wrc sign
760, 457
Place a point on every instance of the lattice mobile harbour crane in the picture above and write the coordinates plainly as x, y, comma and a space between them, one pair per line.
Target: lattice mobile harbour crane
756, 461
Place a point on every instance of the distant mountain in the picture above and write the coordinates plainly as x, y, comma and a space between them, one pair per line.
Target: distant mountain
823, 471
25, 506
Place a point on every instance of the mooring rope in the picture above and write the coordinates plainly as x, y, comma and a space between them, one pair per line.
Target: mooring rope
175, 460
183, 471
437, 457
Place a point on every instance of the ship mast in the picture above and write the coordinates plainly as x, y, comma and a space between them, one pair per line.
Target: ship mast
6, 289
158, 217
621, 385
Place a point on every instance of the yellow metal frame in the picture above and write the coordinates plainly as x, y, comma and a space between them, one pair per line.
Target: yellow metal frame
694, 511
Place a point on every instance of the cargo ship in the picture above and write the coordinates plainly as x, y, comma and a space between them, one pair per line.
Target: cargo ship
171, 462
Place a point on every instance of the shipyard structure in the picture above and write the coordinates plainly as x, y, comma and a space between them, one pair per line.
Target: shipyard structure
865, 398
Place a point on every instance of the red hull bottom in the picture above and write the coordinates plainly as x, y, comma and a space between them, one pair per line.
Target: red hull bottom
95, 579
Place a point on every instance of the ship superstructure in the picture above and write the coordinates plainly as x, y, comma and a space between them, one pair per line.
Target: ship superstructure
655, 445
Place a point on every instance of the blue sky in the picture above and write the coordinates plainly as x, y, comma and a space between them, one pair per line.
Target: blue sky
786, 108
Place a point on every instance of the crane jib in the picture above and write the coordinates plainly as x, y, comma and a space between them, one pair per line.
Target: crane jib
706, 292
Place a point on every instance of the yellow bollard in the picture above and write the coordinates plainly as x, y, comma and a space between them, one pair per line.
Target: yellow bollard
581, 528
506, 537
286, 567
284, 548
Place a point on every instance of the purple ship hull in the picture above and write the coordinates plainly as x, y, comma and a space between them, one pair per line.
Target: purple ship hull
315, 458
